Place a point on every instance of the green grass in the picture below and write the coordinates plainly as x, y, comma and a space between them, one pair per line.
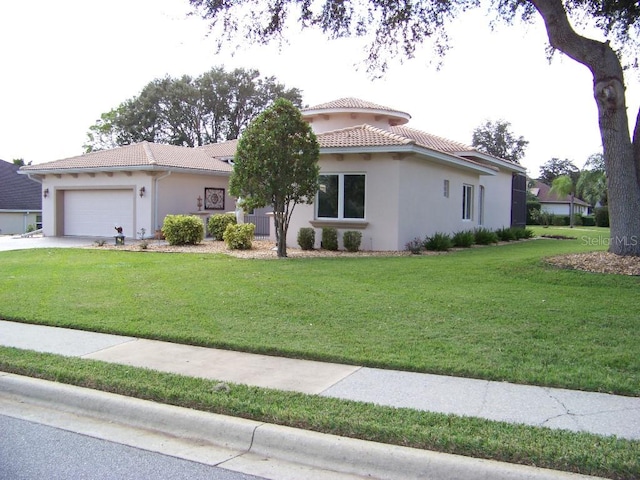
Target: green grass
496, 312
542, 447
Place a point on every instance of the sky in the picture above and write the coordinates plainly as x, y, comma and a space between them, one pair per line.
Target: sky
64, 63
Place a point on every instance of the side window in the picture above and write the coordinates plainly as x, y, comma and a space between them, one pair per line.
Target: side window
467, 202
446, 189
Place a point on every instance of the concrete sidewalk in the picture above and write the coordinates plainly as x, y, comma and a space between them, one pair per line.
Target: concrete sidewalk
596, 413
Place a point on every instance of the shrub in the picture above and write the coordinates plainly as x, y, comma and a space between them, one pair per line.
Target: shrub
218, 224
352, 240
577, 220
463, 239
560, 220
484, 236
546, 219
533, 212
602, 217
519, 233
330, 238
306, 238
415, 246
439, 242
183, 229
505, 234
239, 237
589, 221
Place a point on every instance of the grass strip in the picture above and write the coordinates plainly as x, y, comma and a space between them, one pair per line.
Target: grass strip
541, 447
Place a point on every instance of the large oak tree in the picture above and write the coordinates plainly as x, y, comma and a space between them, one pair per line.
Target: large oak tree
400, 26
190, 111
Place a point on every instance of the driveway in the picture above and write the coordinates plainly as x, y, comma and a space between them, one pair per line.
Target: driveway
10, 242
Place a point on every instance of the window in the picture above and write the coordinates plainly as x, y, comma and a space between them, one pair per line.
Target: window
341, 196
467, 202
481, 206
446, 188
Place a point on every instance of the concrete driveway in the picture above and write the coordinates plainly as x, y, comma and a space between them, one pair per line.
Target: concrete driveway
10, 242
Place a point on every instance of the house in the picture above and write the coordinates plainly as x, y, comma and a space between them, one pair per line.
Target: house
133, 187
550, 202
377, 175
20, 201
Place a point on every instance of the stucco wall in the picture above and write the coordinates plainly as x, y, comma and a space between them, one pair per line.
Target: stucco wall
497, 200
381, 203
405, 199
52, 205
12, 223
425, 209
176, 193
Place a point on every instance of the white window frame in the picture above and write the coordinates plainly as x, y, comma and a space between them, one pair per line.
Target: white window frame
467, 202
341, 196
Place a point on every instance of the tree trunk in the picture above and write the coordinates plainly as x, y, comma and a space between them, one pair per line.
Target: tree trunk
622, 160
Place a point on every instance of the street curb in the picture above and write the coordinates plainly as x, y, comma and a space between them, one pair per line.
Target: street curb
312, 449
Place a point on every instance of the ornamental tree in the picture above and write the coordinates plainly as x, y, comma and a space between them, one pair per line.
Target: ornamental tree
276, 163
398, 27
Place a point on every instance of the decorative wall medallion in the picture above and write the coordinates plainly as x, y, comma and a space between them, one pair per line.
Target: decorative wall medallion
214, 198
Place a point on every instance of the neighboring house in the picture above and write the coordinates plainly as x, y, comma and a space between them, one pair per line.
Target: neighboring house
378, 176
20, 201
552, 204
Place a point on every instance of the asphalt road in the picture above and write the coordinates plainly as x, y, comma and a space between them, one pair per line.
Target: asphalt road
31, 451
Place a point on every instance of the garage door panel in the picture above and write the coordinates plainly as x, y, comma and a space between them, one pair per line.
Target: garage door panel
96, 212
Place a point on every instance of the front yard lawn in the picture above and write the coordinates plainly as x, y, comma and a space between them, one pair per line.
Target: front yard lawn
496, 312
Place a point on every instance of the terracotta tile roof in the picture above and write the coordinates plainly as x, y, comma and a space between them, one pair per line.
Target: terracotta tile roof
139, 155
431, 141
349, 103
543, 192
361, 136
221, 150
18, 192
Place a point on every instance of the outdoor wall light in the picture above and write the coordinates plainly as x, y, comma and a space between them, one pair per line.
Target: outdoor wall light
45, 193
199, 203
142, 190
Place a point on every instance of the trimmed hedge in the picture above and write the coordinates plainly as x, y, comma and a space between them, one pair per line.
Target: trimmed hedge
306, 238
183, 229
352, 240
218, 224
330, 238
239, 237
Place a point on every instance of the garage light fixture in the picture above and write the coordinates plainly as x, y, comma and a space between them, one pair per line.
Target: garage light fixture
45, 193
142, 190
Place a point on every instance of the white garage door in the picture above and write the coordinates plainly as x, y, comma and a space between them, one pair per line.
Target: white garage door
95, 213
